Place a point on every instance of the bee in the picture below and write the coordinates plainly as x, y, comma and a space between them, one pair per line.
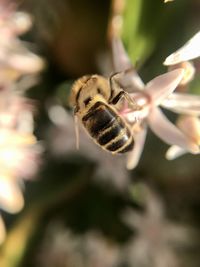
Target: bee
94, 98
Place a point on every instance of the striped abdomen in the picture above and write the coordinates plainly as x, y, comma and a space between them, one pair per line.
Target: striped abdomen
108, 129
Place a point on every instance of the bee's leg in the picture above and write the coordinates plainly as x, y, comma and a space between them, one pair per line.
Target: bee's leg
117, 92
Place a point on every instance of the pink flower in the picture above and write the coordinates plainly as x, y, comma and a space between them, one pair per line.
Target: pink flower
187, 105
157, 92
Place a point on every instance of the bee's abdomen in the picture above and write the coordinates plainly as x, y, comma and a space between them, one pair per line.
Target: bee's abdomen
108, 129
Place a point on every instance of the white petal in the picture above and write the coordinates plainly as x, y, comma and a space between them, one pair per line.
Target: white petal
174, 152
27, 62
21, 22
134, 156
162, 86
183, 103
121, 60
168, 132
11, 198
189, 51
122, 63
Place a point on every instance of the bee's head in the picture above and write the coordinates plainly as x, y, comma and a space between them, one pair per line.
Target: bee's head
89, 89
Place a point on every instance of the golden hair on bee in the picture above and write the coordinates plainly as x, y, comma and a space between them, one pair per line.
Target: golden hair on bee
93, 98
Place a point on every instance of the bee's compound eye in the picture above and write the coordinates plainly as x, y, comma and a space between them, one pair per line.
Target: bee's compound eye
87, 100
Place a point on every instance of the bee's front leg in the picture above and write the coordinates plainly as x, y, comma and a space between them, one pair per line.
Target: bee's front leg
117, 92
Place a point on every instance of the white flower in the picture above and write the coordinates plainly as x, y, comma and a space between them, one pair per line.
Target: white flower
189, 123
158, 92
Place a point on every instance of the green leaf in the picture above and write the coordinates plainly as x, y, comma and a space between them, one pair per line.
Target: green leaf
146, 24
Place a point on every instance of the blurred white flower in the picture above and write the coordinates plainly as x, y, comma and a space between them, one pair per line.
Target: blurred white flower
156, 237
156, 240
19, 150
61, 247
148, 99
13, 52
